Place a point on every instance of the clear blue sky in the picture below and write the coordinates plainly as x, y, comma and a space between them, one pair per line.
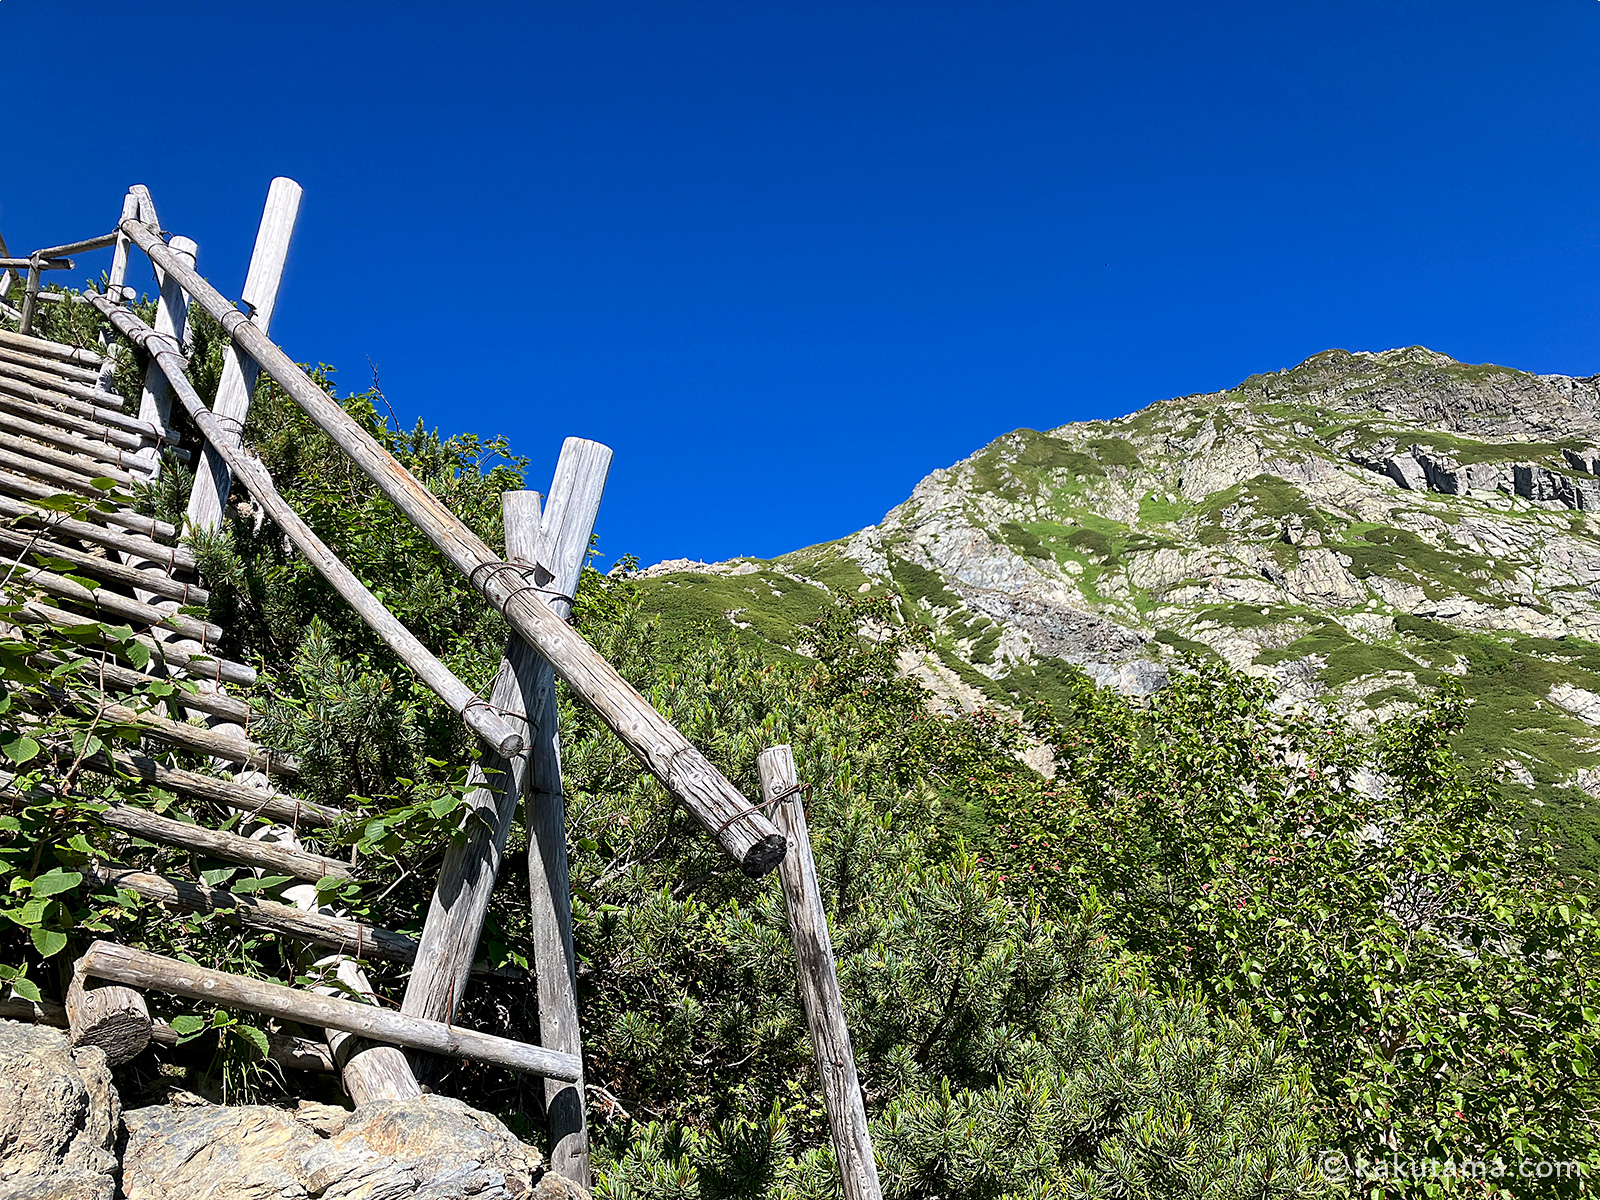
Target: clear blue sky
788, 257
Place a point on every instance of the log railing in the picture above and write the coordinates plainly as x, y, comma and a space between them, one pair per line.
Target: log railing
61, 425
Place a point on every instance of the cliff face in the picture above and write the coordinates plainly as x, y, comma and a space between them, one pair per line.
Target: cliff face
1356, 528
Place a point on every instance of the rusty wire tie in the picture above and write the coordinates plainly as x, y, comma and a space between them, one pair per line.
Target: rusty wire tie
794, 789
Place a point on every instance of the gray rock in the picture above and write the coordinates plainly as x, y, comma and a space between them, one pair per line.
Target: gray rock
430, 1148
1407, 472
58, 1117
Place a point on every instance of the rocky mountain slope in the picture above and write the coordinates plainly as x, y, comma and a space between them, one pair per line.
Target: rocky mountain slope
1356, 528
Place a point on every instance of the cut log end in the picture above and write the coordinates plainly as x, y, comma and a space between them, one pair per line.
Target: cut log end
764, 857
109, 1016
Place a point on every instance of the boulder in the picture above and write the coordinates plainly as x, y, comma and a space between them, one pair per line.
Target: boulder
1407, 472
58, 1117
427, 1148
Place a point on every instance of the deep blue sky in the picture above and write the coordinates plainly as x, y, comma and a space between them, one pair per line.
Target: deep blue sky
788, 257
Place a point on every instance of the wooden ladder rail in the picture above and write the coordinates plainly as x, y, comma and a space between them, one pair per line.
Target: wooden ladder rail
722, 811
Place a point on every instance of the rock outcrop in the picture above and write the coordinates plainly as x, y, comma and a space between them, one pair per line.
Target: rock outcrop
430, 1148
1357, 528
59, 1117
61, 1122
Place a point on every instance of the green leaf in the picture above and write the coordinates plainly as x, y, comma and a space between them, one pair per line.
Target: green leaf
137, 653
20, 749
49, 941
188, 1024
26, 988
54, 882
254, 1036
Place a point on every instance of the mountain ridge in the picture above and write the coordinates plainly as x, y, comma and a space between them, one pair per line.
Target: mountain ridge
1356, 528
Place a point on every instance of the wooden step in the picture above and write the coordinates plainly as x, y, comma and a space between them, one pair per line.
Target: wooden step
112, 604
195, 665
88, 465
101, 411
113, 676
76, 482
49, 414
55, 428
21, 486
15, 542
300, 1053
341, 934
171, 559
49, 349
54, 383
202, 740
257, 802
141, 969
230, 847
54, 366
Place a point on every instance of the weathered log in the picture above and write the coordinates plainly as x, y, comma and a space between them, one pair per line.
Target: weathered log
819, 981
109, 675
98, 411
97, 449
103, 600
50, 366
213, 479
715, 803
344, 934
38, 345
235, 750
67, 389
276, 806
299, 1053
195, 665
301, 864
568, 522
505, 737
38, 261
471, 865
86, 427
103, 510
78, 483
337, 933
17, 541
172, 313
30, 299
90, 465
176, 558
109, 1016
138, 968
95, 243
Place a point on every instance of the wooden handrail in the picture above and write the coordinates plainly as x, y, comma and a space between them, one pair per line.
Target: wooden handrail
505, 737
753, 842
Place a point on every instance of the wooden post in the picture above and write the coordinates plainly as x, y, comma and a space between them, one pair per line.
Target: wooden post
110, 1016
172, 317
819, 981
747, 836
564, 549
141, 969
212, 478
30, 300
555, 549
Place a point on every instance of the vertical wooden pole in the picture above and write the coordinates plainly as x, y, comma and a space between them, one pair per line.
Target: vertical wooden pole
554, 548
212, 479
114, 287
172, 316
30, 300
819, 981
580, 480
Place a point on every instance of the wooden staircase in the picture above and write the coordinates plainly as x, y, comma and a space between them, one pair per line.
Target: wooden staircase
65, 435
